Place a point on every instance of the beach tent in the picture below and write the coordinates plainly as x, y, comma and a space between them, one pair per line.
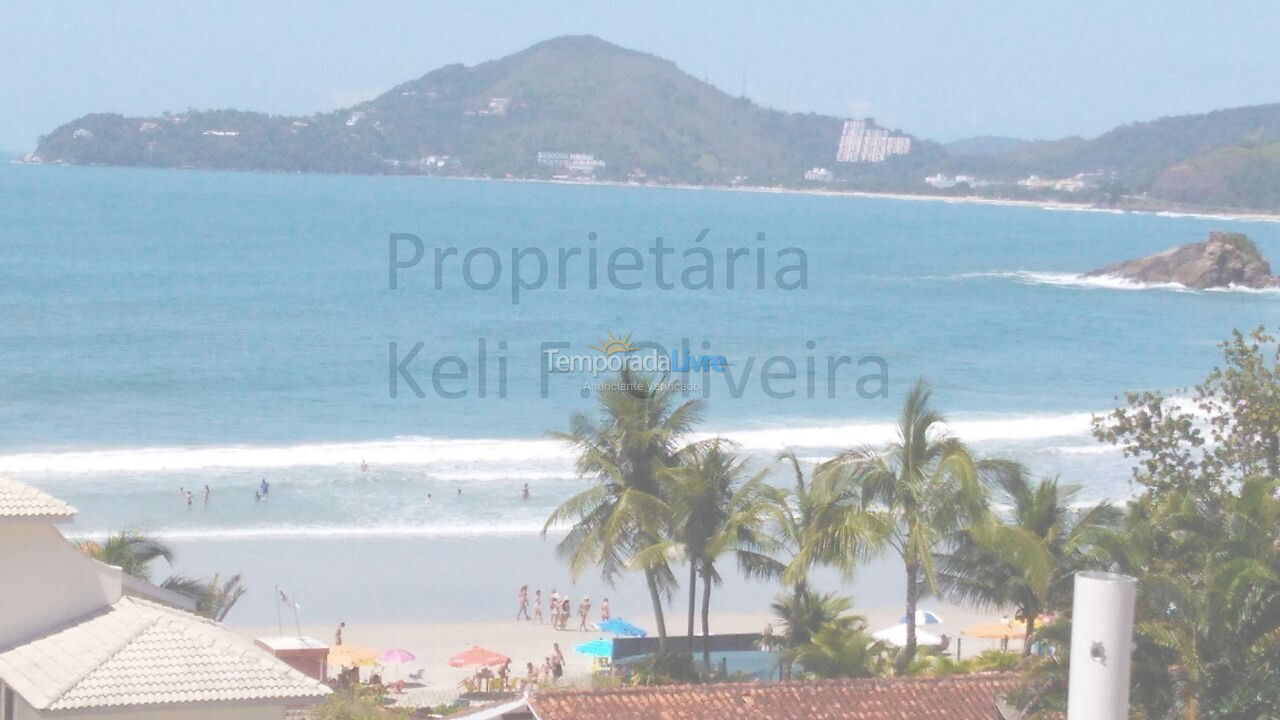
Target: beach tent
352, 656
618, 626
477, 656
897, 635
600, 647
923, 617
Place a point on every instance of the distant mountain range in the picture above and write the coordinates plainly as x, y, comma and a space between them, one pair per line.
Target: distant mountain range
581, 107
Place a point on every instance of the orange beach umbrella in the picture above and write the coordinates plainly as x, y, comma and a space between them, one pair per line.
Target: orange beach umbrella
352, 655
477, 656
995, 631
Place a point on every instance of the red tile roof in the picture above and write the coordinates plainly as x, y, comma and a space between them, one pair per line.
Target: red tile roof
960, 697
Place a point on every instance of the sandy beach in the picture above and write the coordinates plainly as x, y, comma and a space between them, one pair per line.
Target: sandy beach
434, 642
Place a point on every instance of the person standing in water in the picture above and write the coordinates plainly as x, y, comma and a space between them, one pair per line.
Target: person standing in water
264, 487
206, 495
523, 599
524, 494
364, 466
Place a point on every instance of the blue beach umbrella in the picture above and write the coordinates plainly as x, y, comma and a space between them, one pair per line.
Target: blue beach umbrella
618, 626
600, 647
923, 617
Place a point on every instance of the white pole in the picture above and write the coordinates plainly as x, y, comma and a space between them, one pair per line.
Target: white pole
1101, 644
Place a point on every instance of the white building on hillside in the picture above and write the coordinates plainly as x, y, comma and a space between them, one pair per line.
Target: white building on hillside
79, 640
861, 141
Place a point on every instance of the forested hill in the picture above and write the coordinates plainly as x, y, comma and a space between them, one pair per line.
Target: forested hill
627, 115
638, 114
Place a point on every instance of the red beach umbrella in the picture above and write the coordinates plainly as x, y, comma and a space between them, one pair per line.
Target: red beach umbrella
477, 656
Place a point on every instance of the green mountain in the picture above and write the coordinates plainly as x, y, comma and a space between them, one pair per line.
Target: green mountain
982, 145
1225, 158
638, 114
624, 114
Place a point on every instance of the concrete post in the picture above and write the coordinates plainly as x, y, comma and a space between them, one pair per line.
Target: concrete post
1101, 644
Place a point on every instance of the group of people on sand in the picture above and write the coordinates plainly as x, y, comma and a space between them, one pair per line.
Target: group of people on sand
560, 607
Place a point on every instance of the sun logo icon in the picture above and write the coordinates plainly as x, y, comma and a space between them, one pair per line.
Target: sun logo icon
612, 345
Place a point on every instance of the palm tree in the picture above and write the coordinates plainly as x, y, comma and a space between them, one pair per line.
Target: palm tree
214, 597
130, 551
843, 652
626, 450
803, 613
715, 510
134, 554
921, 490
1028, 559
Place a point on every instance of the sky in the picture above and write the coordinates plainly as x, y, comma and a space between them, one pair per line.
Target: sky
941, 70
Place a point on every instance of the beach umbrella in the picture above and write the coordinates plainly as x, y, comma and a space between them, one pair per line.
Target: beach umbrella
923, 617
618, 626
396, 656
477, 656
994, 631
352, 656
600, 647
897, 635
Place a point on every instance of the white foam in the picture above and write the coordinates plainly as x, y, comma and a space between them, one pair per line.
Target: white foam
416, 451
469, 529
499, 459
1101, 282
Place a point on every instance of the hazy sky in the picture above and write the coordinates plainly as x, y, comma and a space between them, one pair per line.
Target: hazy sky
942, 70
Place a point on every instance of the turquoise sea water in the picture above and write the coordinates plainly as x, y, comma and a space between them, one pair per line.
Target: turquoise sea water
166, 329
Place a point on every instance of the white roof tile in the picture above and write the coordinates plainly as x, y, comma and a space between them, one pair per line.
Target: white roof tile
23, 502
139, 653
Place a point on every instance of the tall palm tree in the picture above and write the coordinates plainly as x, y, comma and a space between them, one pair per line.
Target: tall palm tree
922, 490
626, 450
716, 510
1027, 557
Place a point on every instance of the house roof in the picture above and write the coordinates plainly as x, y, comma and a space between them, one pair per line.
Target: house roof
136, 652
23, 502
959, 697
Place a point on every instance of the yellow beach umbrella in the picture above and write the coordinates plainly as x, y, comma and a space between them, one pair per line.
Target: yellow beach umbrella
994, 631
352, 656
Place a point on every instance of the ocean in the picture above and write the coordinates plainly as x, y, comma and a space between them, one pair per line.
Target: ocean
167, 329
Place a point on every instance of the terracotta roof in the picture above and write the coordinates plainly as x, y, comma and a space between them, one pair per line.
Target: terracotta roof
23, 502
136, 652
960, 697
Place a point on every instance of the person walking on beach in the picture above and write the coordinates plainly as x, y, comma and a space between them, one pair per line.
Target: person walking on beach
584, 609
564, 619
554, 606
537, 606
337, 635
604, 610
556, 655
523, 599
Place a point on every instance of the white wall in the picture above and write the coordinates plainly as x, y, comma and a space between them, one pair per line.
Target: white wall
45, 582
